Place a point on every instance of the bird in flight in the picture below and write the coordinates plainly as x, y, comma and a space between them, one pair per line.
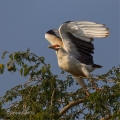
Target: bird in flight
73, 45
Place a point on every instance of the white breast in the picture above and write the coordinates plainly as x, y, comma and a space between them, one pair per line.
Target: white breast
67, 62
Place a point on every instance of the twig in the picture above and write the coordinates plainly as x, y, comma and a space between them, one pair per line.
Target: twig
96, 79
12, 105
37, 57
52, 97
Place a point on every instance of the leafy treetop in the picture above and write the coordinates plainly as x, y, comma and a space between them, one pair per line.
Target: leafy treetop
45, 96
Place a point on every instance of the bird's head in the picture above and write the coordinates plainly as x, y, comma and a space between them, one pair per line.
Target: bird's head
55, 47
53, 32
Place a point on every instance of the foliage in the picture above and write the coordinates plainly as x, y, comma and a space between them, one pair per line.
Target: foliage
45, 96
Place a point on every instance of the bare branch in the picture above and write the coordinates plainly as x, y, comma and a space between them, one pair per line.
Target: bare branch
52, 97
71, 104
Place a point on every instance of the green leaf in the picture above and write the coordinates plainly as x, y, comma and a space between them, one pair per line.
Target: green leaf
4, 53
21, 71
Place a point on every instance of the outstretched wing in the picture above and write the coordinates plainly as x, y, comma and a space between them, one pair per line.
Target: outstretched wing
77, 37
86, 30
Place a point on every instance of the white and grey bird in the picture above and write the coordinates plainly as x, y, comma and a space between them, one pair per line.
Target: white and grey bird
73, 45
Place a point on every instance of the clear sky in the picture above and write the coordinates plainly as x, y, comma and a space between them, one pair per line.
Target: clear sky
23, 24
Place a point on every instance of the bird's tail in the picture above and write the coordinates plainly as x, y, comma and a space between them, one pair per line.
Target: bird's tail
97, 66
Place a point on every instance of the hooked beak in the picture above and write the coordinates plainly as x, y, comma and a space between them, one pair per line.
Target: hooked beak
55, 47
51, 46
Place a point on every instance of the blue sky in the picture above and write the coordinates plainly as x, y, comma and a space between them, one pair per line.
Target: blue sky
23, 24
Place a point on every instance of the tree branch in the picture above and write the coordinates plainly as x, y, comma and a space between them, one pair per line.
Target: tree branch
106, 117
52, 97
71, 104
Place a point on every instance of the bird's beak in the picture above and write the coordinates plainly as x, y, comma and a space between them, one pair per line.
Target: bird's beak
51, 46
55, 47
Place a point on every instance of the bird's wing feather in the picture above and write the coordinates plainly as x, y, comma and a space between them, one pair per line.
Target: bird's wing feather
86, 30
85, 49
77, 37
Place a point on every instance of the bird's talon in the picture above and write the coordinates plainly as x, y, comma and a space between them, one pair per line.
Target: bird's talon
87, 93
95, 85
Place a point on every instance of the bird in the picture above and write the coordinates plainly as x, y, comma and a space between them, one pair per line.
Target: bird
72, 42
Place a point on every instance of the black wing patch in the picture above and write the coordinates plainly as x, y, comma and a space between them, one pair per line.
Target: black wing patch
84, 48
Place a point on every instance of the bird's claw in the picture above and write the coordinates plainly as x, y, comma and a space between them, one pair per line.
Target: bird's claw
87, 93
95, 85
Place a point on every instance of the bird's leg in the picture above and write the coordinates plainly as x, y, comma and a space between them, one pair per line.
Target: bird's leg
86, 91
96, 87
81, 82
92, 80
